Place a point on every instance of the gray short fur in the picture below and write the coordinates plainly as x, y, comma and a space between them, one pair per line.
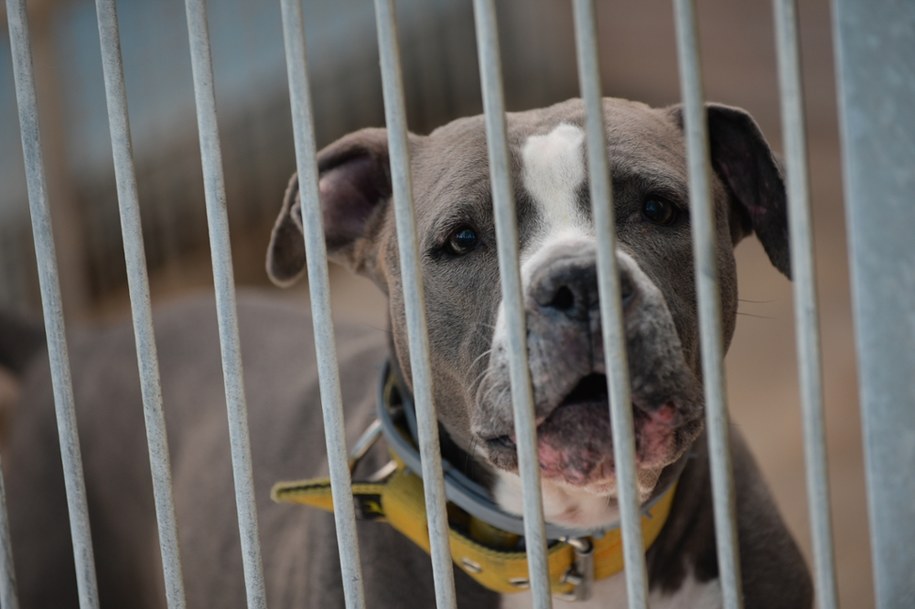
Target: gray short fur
301, 565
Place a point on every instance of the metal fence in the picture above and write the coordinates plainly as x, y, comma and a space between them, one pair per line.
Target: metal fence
257, 143
876, 72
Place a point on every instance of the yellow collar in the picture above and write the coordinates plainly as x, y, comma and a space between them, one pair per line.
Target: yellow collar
490, 554
480, 550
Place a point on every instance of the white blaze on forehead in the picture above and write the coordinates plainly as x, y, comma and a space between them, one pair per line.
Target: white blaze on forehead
553, 169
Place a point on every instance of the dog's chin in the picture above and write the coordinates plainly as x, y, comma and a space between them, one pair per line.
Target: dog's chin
575, 445
573, 498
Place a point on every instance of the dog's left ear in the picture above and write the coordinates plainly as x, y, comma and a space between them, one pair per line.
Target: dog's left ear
743, 160
354, 185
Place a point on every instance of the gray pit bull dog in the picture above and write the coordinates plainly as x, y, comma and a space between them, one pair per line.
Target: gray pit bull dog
470, 371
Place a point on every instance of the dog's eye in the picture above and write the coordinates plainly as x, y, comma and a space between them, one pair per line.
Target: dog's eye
462, 240
660, 211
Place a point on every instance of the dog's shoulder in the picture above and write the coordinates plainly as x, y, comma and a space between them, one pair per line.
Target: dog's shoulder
773, 570
684, 557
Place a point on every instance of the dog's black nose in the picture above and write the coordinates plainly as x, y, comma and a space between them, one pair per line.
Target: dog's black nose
569, 286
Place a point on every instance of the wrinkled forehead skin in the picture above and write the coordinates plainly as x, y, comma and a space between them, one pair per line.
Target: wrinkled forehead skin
451, 189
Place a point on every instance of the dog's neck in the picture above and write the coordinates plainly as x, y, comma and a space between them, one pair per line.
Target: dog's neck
563, 505
459, 458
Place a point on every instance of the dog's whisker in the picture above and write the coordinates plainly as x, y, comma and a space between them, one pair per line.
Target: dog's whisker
480, 357
479, 379
475, 383
754, 315
483, 398
468, 458
374, 328
504, 389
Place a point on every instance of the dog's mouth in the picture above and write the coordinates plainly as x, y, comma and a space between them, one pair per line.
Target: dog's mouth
574, 441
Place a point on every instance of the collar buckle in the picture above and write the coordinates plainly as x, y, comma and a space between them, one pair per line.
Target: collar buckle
581, 574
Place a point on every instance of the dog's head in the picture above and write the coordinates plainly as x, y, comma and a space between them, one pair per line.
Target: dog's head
466, 317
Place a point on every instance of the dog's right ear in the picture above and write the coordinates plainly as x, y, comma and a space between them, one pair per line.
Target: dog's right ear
354, 186
743, 160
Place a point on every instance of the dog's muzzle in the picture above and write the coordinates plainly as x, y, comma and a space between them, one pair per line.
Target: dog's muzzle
568, 374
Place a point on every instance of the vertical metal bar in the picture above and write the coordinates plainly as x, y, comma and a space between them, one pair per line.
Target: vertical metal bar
507, 242
614, 337
703, 223
138, 283
875, 51
805, 300
52, 306
8, 598
221, 253
414, 304
319, 289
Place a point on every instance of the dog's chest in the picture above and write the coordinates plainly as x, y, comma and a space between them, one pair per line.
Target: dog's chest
610, 593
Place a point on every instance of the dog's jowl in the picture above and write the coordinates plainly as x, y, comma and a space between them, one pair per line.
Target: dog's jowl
470, 362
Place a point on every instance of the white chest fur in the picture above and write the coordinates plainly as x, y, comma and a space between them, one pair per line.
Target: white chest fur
610, 593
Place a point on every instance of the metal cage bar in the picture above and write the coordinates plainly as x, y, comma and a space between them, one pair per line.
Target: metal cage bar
875, 48
141, 309
703, 227
52, 306
226, 314
805, 299
319, 291
509, 272
876, 84
8, 596
611, 311
415, 305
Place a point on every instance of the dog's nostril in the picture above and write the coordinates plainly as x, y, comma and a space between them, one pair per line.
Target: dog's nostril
563, 299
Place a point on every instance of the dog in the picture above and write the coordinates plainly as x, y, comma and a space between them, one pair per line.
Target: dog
469, 362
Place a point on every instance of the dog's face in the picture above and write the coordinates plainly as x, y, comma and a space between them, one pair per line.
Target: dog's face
466, 317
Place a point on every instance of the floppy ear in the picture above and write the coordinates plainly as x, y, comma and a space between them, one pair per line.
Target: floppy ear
743, 160
354, 186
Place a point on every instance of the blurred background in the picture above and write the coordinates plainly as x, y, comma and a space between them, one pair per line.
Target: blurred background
441, 80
